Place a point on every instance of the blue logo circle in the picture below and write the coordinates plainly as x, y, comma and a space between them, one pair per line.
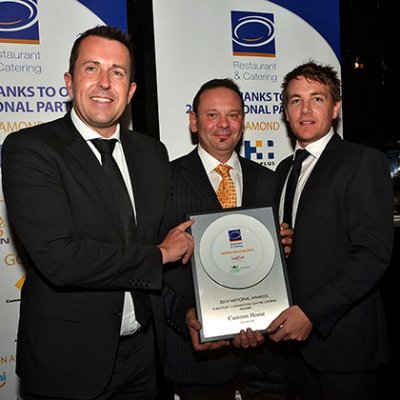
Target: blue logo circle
253, 31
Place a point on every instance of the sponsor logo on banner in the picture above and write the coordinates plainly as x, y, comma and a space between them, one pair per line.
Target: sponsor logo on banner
257, 152
253, 34
14, 260
3, 240
19, 22
10, 259
6, 361
3, 379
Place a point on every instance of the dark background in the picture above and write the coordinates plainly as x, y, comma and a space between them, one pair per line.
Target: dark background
370, 37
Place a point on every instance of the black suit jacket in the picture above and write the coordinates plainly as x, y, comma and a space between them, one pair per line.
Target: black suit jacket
77, 266
342, 246
194, 193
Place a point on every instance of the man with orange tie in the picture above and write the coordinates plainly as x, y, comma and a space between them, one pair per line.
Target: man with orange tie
211, 177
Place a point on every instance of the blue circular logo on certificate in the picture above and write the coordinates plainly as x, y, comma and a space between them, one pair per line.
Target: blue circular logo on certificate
237, 251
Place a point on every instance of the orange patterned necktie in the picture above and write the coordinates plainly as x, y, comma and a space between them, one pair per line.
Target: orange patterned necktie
226, 192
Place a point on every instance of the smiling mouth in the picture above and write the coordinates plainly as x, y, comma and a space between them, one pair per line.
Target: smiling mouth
101, 99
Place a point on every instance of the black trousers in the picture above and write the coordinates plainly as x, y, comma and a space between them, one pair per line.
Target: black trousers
311, 384
252, 384
134, 373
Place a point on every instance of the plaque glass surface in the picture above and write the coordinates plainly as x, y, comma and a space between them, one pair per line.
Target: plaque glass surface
239, 271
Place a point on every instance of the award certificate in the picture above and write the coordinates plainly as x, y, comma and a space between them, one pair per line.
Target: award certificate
239, 271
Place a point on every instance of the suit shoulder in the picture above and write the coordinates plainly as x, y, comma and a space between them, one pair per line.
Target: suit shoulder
177, 162
145, 141
141, 137
34, 133
285, 160
255, 168
362, 151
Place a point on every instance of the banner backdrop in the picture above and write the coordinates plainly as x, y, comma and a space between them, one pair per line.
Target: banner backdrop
254, 42
35, 41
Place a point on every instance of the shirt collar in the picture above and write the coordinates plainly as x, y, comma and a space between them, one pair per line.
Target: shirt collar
210, 162
316, 148
88, 133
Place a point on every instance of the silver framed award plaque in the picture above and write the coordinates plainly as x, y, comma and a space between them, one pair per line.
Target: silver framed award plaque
239, 271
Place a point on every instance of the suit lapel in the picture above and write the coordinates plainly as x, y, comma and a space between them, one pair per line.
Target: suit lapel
282, 172
246, 182
193, 172
248, 185
314, 180
134, 160
80, 151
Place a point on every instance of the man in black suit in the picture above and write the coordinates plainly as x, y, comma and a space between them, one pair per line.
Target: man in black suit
343, 225
212, 370
92, 290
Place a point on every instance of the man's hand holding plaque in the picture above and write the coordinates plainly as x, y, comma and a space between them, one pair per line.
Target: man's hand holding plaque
243, 339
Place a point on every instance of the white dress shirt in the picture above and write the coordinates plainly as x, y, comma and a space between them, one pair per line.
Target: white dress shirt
315, 149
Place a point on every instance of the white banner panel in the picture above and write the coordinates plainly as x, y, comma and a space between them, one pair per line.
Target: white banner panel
35, 41
254, 42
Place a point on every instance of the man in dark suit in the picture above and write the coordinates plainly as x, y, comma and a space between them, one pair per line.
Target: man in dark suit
343, 224
212, 370
92, 290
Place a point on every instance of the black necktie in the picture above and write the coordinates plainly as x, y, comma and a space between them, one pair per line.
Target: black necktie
299, 157
117, 185
123, 201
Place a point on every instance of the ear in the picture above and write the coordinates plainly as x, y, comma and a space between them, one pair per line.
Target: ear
286, 114
68, 83
132, 90
336, 109
193, 121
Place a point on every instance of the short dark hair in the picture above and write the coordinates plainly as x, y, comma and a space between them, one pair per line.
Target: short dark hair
213, 84
322, 73
106, 32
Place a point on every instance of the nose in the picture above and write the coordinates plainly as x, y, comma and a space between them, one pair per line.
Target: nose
305, 107
104, 80
223, 121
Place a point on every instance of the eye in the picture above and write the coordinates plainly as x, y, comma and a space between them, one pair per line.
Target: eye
211, 115
234, 115
118, 73
91, 69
